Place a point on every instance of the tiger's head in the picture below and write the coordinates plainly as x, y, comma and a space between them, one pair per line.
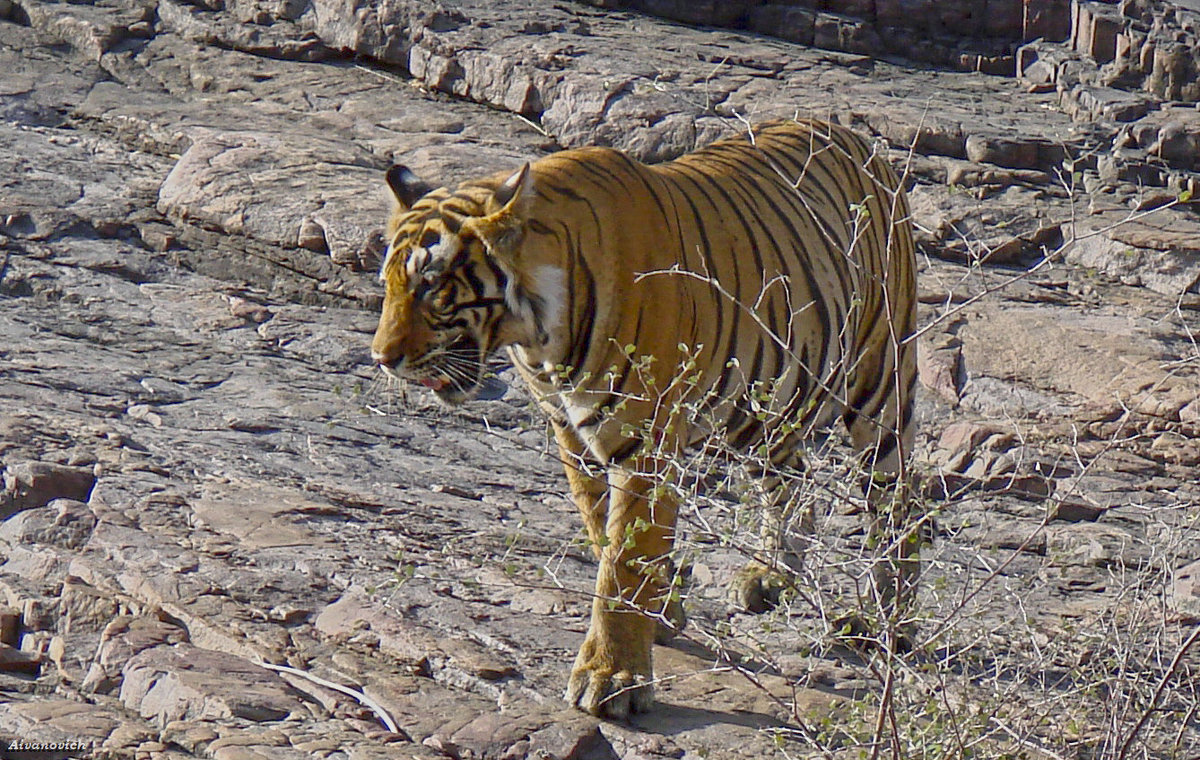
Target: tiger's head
451, 287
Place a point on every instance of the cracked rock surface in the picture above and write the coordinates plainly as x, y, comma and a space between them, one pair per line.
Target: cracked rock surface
213, 508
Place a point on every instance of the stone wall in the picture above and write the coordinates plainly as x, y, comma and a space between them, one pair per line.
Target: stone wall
971, 34
1136, 63
1143, 44
1116, 60
1147, 41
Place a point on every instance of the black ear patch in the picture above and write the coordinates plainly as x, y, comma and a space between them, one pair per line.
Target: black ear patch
406, 186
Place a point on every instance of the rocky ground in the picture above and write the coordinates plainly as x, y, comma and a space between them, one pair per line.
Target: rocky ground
215, 511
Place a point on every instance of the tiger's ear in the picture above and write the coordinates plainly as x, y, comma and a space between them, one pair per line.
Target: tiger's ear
515, 192
406, 186
503, 230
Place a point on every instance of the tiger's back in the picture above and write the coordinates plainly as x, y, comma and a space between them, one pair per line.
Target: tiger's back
773, 268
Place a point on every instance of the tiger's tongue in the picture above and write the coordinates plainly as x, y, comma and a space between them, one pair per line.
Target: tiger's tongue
434, 383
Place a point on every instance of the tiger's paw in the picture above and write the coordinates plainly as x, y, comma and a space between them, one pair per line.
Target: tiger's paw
859, 632
614, 696
757, 588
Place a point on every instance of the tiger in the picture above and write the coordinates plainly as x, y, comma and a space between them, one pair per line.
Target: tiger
646, 307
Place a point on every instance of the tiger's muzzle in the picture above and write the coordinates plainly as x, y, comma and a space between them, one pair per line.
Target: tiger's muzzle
454, 371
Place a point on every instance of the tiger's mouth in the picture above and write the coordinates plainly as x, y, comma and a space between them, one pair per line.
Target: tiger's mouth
457, 374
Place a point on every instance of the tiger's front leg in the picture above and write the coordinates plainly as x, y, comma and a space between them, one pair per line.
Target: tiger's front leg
612, 675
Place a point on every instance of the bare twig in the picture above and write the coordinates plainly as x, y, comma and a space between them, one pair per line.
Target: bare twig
1172, 669
384, 717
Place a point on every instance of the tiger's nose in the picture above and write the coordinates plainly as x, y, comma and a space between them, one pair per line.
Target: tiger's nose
388, 361
386, 350
385, 358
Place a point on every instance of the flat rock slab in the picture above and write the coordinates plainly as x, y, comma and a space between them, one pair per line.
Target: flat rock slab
1113, 369
1160, 253
247, 183
182, 682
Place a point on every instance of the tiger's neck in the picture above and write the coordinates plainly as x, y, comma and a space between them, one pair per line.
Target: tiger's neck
539, 303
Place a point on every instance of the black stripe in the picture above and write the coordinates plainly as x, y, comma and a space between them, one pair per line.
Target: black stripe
642, 174
724, 339
815, 290
497, 272
459, 261
479, 303
603, 177
472, 278
568, 193
744, 435
573, 264
453, 221
617, 390
591, 420
627, 450
581, 338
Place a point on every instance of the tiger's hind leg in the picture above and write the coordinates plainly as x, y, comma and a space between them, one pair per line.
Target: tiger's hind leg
892, 531
787, 525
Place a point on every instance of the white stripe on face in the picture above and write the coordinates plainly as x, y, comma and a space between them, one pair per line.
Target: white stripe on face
438, 254
387, 259
434, 258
